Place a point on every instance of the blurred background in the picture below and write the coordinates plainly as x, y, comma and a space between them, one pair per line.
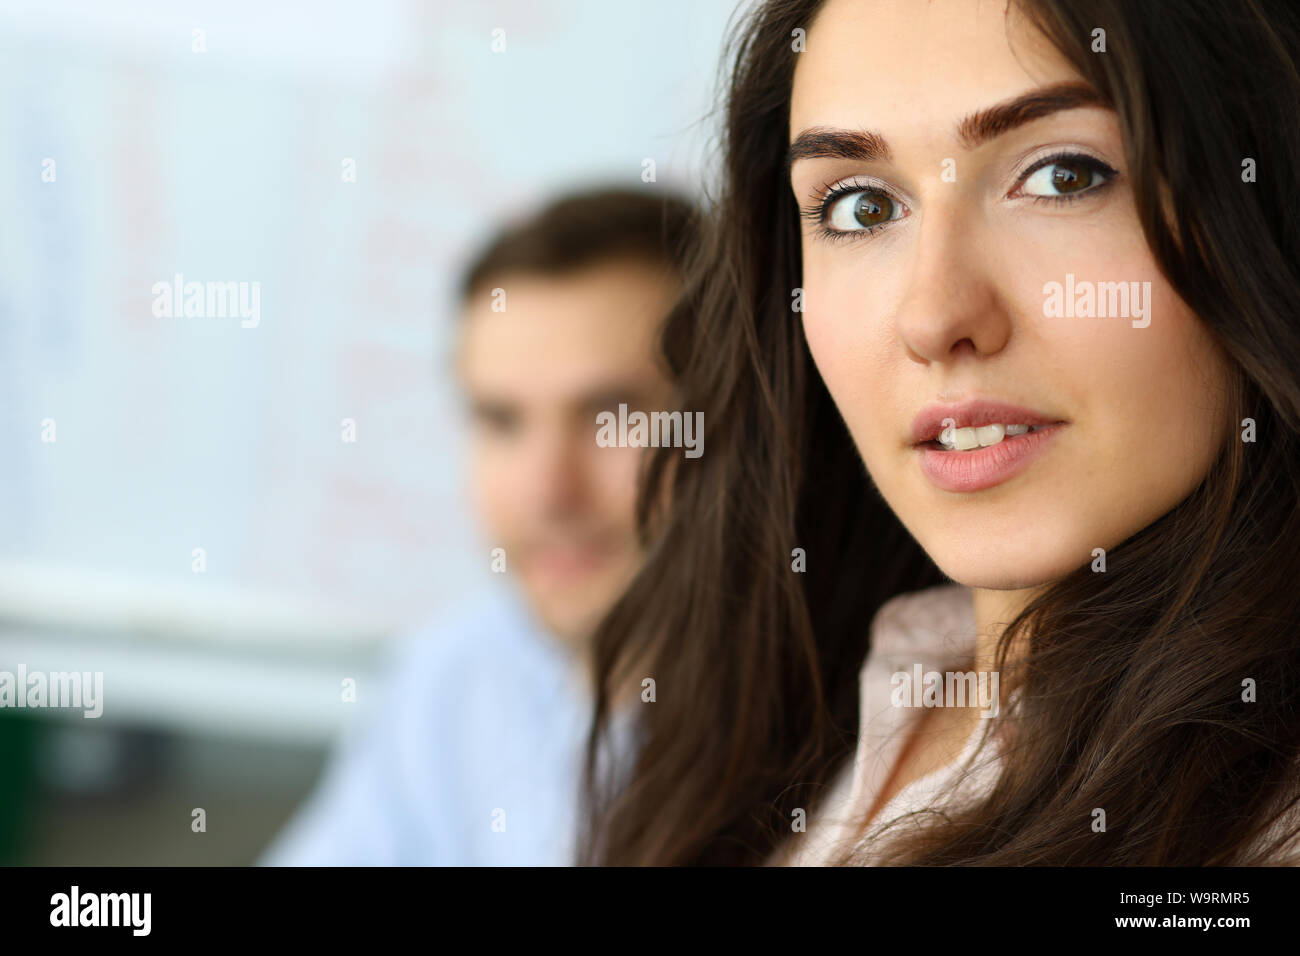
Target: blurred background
178, 509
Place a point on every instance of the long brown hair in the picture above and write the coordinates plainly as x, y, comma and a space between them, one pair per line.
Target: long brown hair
1130, 695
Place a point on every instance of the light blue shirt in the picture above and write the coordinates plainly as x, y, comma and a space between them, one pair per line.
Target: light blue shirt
471, 756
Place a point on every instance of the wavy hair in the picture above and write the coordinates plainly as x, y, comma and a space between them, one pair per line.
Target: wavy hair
1129, 695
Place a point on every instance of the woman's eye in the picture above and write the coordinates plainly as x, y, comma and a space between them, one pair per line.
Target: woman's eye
1064, 177
862, 209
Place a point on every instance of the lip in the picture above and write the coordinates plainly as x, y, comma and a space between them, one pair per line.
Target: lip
966, 471
927, 425
569, 561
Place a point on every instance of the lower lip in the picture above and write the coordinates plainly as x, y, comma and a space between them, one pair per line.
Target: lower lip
568, 564
977, 470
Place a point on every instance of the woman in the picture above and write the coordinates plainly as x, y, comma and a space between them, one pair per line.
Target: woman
1035, 266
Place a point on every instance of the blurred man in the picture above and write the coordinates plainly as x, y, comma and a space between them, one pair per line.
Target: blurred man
474, 755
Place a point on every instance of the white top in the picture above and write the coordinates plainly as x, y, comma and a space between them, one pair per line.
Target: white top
936, 629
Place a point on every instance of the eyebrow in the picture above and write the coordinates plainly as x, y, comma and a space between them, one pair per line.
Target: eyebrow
822, 142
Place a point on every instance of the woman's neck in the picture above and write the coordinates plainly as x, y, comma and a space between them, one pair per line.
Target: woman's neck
994, 610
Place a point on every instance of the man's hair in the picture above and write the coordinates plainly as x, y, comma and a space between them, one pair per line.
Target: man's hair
583, 229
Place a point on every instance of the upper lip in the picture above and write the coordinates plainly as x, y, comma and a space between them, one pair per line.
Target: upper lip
972, 414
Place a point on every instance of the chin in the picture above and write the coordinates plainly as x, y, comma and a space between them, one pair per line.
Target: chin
1009, 565
985, 580
572, 615
570, 627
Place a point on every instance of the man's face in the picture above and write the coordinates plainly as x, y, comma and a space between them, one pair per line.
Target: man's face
536, 375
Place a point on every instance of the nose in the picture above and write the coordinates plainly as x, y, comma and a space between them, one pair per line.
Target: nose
555, 471
953, 307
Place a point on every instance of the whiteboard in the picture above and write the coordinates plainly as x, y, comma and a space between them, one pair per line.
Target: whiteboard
225, 163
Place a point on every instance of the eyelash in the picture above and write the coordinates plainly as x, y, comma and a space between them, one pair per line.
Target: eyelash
818, 212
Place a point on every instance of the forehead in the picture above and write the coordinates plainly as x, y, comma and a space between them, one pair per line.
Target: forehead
911, 69
566, 332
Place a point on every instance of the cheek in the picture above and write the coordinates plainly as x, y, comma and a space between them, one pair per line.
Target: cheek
845, 322
1161, 416
614, 482
1149, 399
494, 483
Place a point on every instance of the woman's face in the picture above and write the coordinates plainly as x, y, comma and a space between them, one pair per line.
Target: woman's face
940, 207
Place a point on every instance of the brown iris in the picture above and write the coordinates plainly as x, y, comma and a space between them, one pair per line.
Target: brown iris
1071, 177
873, 209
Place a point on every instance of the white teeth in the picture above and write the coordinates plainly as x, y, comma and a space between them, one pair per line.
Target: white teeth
965, 439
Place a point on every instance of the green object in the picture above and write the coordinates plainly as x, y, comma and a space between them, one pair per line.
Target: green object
19, 734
